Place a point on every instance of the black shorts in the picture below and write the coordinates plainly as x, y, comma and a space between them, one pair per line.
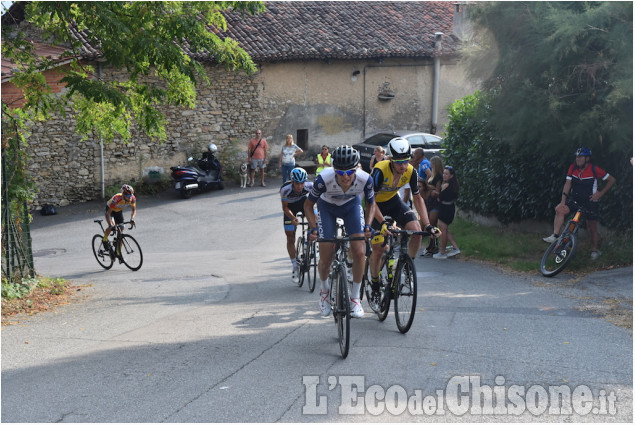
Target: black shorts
116, 215
591, 209
398, 210
446, 213
295, 208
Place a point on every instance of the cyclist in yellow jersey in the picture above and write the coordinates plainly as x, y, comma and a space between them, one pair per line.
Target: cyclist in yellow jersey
388, 177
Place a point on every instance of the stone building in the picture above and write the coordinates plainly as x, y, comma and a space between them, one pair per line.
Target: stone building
328, 73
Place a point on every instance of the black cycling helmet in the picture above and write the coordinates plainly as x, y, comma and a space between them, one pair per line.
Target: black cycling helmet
345, 158
399, 148
583, 152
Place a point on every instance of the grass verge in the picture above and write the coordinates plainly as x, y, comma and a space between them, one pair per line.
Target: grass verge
522, 251
34, 295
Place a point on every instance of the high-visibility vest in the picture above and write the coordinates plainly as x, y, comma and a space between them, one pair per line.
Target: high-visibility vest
321, 162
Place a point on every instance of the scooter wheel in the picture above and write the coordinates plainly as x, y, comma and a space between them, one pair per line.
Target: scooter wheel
186, 193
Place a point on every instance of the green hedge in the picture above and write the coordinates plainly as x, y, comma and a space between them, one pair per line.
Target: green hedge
513, 180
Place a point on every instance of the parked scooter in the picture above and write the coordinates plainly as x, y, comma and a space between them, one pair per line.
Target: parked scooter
199, 175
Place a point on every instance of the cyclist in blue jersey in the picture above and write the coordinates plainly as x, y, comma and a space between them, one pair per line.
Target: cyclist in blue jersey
293, 193
337, 192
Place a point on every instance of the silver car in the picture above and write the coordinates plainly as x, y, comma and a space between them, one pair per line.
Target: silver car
430, 144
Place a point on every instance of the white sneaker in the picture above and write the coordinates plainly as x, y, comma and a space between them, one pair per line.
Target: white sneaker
295, 275
440, 256
550, 239
454, 252
325, 303
356, 308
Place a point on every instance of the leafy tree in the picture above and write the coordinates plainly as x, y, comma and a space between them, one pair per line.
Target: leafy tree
562, 73
142, 37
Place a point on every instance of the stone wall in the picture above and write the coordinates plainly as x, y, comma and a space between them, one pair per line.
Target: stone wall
67, 170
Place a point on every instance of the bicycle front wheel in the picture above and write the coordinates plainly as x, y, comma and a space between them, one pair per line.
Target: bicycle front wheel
559, 254
131, 254
386, 294
300, 255
405, 293
101, 254
311, 266
343, 312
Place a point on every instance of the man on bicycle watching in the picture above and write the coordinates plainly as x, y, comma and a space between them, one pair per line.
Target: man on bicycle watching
293, 193
582, 184
388, 177
337, 192
115, 206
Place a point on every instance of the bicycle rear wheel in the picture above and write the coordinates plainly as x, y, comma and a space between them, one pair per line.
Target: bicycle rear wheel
559, 254
405, 294
311, 266
101, 254
131, 254
300, 255
343, 312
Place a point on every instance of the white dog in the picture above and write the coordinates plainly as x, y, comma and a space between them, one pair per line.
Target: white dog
244, 175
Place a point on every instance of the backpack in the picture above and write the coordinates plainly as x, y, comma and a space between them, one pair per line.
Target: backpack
48, 209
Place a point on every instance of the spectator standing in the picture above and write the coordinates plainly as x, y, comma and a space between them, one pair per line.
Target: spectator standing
432, 200
379, 154
323, 160
287, 157
257, 152
582, 184
448, 195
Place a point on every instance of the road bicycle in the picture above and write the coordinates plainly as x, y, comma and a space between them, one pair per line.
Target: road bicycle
121, 246
397, 280
307, 255
340, 292
563, 249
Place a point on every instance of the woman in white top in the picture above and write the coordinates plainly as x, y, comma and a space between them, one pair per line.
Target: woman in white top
287, 157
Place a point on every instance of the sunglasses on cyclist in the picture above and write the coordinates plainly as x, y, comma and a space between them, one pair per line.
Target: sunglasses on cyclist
127, 195
346, 172
400, 161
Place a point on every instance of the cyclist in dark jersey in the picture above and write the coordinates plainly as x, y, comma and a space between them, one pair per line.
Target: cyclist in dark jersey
293, 193
582, 185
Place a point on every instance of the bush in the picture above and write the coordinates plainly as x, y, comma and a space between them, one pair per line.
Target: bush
522, 180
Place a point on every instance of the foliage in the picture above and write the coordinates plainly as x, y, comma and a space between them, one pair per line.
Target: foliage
559, 77
513, 183
156, 34
562, 73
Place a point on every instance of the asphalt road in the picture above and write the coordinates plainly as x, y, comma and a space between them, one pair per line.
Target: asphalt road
211, 329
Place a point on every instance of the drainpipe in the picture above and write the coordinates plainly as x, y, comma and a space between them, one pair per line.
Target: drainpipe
101, 148
435, 87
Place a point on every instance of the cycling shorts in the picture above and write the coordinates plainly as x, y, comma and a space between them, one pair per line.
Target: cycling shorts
398, 210
295, 208
116, 215
591, 209
351, 212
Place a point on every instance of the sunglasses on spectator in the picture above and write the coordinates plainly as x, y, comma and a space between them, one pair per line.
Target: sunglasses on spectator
346, 172
400, 161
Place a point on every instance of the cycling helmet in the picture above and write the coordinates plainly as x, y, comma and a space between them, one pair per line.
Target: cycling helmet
399, 148
583, 152
126, 189
212, 148
345, 158
298, 175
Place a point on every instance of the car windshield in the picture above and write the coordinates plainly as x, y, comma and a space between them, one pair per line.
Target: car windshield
380, 139
434, 142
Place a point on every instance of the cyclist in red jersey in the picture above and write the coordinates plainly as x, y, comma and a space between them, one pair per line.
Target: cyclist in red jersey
115, 206
582, 185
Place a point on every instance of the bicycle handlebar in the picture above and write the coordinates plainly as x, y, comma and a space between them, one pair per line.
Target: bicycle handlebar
342, 239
